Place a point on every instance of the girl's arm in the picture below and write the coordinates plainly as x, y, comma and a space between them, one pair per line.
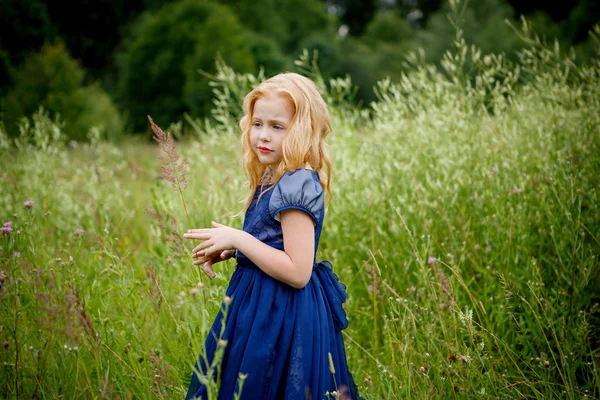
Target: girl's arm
292, 266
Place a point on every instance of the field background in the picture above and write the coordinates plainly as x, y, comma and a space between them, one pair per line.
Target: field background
465, 222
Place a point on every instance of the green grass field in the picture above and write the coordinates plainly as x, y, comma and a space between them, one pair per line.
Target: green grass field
465, 222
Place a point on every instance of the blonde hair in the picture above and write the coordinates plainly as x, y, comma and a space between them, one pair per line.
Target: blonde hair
304, 138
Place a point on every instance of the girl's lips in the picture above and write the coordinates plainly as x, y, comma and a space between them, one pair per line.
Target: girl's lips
264, 150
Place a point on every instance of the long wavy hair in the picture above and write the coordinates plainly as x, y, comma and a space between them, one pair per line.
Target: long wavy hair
304, 138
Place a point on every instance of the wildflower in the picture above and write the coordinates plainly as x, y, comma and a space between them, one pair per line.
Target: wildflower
6, 230
494, 170
431, 260
48, 214
28, 204
17, 254
222, 343
516, 190
200, 285
9, 223
463, 358
546, 364
227, 300
194, 291
476, 247
173, 170
488, 248
370, 288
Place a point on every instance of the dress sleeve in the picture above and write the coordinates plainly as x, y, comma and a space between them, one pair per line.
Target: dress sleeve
297, 190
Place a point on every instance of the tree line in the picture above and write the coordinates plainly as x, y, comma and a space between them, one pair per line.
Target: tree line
111, 63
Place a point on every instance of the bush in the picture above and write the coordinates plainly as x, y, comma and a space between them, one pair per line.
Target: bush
159, 66
53, 80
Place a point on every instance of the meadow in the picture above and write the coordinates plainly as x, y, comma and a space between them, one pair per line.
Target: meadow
465, 223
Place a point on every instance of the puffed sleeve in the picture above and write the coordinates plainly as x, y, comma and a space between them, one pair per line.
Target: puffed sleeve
297, 190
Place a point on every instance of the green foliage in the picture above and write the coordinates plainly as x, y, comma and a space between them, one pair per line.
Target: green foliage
465, 222
53, 80
263, 17
162, 57
328, 51
24, 27
379, 53
304, 18
483, 24
387, 27
268, 55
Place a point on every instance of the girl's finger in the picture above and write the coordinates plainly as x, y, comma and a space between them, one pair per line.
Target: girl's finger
197, 254
202, 246
208, 269
200, 261
201, 236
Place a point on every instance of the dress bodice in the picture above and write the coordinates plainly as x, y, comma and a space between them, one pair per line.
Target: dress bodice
301, 190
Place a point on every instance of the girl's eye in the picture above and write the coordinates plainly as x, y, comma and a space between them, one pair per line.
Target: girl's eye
256, 124
278, 127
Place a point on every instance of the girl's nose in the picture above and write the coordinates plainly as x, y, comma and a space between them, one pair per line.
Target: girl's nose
264, 135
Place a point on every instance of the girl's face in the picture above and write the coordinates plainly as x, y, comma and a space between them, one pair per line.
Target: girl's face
272, 116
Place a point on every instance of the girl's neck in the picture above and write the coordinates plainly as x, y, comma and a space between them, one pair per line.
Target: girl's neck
265, 180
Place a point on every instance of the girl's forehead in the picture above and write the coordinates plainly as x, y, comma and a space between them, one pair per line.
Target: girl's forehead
273, 106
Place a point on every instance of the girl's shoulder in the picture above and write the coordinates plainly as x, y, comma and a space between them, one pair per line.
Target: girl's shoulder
300, 180
299, 189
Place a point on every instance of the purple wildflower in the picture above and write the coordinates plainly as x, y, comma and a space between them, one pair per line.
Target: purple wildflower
431, 260
6, 229
17, 254
476, 247
488, 248
370, 288
28, 204
9, 223
494, 170
516, 190
462, 358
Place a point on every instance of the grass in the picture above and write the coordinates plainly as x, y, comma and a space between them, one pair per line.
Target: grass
465, 223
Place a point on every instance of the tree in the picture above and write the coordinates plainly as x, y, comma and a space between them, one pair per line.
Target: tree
24, 27
52, 79
161, 58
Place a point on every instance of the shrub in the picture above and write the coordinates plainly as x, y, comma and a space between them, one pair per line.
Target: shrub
159, 66
53, 80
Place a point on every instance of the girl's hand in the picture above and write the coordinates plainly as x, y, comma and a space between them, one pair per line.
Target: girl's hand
215, 240
213, 259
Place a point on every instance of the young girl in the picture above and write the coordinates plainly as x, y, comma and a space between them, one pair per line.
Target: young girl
284, 310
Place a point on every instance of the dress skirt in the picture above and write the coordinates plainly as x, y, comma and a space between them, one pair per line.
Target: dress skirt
279, 338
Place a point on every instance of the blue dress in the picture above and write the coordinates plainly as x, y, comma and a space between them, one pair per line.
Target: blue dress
280, 336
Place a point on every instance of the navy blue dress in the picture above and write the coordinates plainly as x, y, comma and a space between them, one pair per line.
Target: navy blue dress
280, 336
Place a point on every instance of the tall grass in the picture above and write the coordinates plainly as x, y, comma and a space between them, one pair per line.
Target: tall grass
465, 222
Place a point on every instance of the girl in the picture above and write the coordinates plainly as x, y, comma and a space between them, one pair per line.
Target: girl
284, 310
